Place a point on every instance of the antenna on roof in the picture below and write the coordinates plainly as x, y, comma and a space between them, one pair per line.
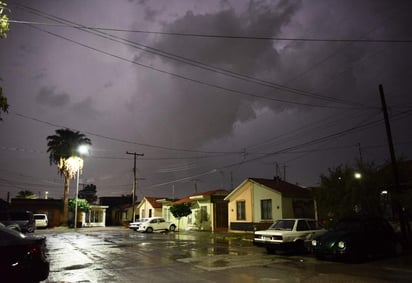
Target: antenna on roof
276, 176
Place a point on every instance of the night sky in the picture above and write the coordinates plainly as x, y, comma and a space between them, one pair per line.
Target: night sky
211, 92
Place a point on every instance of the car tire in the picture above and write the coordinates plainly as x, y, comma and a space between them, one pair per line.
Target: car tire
172, 227
149, 230
300, 246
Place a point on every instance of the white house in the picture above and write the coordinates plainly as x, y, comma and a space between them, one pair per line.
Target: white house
257, 202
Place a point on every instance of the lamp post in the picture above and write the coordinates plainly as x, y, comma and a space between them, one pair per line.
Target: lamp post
83, 149
355, 200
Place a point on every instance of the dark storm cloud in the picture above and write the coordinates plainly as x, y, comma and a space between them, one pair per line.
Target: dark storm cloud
49, 97
85, 109
260, 19
200, 114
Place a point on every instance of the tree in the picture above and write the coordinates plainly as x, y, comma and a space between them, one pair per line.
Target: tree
341, 193
62, 148
4, 28
82, 204
26, 195
181, 210
89, 193
4, 20
4, 106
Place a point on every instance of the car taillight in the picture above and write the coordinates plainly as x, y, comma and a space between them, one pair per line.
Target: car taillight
34, 249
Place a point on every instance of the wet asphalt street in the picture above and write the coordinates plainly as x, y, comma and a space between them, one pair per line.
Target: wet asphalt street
117, 254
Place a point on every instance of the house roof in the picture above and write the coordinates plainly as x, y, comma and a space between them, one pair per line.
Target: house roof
192, 198
153, 201
285, 188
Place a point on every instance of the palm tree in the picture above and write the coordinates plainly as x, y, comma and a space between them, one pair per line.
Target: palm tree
61, 147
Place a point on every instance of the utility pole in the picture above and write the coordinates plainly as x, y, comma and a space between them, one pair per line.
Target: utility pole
395, 171
134, 180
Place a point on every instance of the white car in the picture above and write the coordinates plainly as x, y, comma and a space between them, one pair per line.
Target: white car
41, 220
156, 224
135, 225
294, 234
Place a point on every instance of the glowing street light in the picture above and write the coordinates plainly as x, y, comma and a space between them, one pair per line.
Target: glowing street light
83, 149
358, 175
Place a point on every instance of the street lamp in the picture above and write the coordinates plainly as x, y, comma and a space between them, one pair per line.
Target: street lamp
83, 149
358, 175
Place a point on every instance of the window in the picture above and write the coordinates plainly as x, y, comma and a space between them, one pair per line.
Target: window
240, 210
302, 226
283, 224
266, 208
314, 225
203, 213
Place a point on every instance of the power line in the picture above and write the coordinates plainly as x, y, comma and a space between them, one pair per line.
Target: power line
122, 140
317, 140
226, 89
191, 62
221, 36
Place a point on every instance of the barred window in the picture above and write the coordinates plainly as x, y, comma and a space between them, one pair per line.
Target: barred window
203, 213
241, 210
266, 208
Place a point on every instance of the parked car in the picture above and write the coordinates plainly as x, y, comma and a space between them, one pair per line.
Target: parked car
357, 239
294, 234
156, 224
22, 257
135, 225
41, 220
22, 221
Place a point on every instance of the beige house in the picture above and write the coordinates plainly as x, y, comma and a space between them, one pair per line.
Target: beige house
149, 207
209, 211
257, 202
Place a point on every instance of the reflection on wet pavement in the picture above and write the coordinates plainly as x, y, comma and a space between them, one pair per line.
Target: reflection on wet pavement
127, 256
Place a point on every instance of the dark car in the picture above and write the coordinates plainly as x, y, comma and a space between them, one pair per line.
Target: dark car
22, 258
357, 239
22, 221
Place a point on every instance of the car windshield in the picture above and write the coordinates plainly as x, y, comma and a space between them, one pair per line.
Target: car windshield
39, 217
283, 225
